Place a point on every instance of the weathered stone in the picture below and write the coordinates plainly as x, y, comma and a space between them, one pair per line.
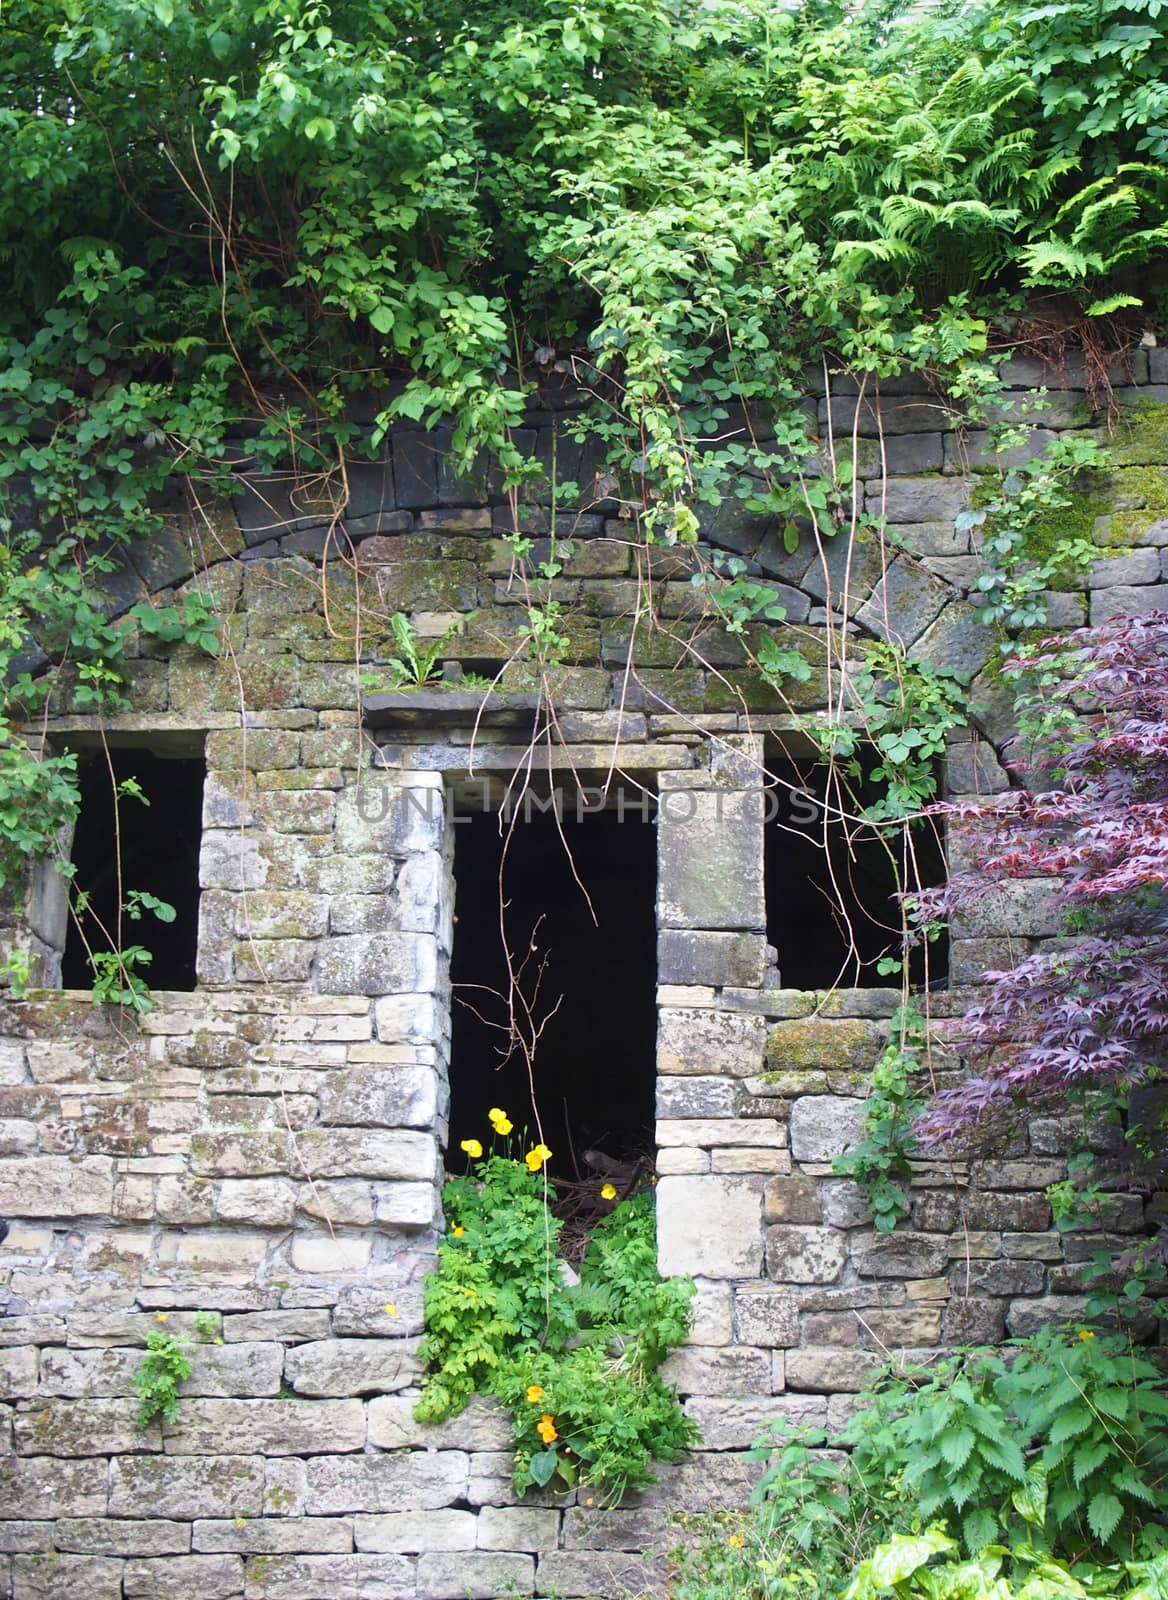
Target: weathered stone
823, 1044
702, 1042
805, 1255
18, 1371
211, 1577
325, 1577
710, 1227
263, 1202
696, 1097
81, 1428
824, 1125
720, 1371
922, 499
616, 1576
251, 1369
845, 1204
386, 1483
61, 1577
25, 1538
318, 1153
55, 1186
1125, 600
484, 1425
377, 963
599, 1528
914, 1328
830, 1371
738, 959
792, 1200
477, 1574
42, 1487
900, 1255
287, 1326
275, 1535
709, 849
338, 1202
409, 1532
270, 1427
1020, 1212
352, 1367
517, 1528
974, 1321
998, 1277
118, 1536
727, 1424
389, 1097
903, 604
153, 1486
706, 1132
766, 1317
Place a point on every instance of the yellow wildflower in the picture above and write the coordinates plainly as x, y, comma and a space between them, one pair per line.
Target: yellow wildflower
161, 1316
546, 1428
534, 1393
391, 1311
1085, 1333
496, 1115
736, 1541
536, 1158
458, 1232
503, 1126
470, 1294
472, 1147
608, 1192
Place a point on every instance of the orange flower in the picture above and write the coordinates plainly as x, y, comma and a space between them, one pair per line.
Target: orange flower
546, 1428
534, 1393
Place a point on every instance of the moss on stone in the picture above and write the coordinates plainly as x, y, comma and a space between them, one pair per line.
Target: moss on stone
822, 1045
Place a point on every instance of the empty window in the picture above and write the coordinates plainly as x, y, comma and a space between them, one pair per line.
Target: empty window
832, 882
572, 901
136, 843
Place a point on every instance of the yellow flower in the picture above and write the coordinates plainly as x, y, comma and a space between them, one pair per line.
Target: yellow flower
503, 1126
590, 1502
495, 1115
1085, 1333
608, 1192
161, 1316
391, 1311
472, 1147
546, 1428
458, 1232
470, 1294
534, 1393
536, 1158
736, 1541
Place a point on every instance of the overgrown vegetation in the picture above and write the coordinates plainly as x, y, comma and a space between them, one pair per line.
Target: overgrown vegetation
575, 1362
1036, 1473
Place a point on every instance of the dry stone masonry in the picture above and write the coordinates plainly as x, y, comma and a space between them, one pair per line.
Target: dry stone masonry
269, 1147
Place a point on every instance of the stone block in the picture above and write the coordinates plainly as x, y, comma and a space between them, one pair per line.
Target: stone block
710, 1227
600, 1528
62, 1577
706, 1043
18, 1371
957, 639
352, 1367
824, 1044
275, 1535
974, 1321
682, 1162
328, 1255
707, 1132
161, 1486
345, 1204
825, 1125
406, 1205
709, 859
287, 1326
269, 1427
588, 1574
737, 959
430, 1482
484, 1425
844, 1203
377, 963
211, 1577
1126, 600
56, 1186
981, 1278
81, 1428
733, 1424
766, 1317
517, 1528
922, 499
792, 1199
718, 1370
43, 1487
903, 604
387, 1097
1019, 1212
914, 1328
319, 1153
831, 1371
324, 1577
475, 1575
252, 1369
263, 1202
712, 1317
900, 1255
875, 416
805, 1255
122, 1536
696, 1097
410, 1532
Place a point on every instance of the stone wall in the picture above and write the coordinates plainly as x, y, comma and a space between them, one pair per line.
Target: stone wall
269, 1147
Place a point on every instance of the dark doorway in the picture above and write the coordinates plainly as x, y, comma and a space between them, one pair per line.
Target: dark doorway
831, 884
594, 981
159, 813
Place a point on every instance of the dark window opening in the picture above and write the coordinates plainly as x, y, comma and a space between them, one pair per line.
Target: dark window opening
159, 856
594, 1063
831, 884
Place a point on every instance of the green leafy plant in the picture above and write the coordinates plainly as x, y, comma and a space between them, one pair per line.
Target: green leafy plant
575, 1364
882, 1162
418, 663
156, 1382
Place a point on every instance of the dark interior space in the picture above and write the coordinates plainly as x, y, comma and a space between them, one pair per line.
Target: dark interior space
594, 1071
820, 880
160, 836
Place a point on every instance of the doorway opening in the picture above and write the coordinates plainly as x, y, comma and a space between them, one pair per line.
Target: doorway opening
576, 910
153, 804
832, 883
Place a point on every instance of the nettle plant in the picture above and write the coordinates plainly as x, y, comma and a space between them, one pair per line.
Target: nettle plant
575, 1361
1089, 1016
